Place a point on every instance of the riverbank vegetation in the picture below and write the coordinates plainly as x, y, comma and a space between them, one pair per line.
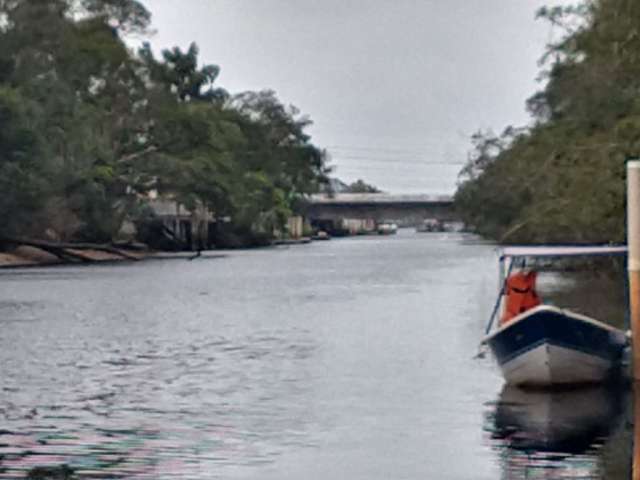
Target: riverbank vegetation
90, 131
562, 178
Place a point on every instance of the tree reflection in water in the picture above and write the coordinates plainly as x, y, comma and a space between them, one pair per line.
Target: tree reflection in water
130, 454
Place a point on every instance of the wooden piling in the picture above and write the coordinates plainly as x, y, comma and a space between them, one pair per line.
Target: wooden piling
633, 262
636, 431
633, 267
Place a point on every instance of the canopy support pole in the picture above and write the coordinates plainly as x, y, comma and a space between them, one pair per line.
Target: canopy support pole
503, 284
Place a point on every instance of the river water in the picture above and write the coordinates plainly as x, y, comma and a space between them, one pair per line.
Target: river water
349, 359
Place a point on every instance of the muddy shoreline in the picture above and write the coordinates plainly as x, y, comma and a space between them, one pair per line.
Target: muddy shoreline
30, 257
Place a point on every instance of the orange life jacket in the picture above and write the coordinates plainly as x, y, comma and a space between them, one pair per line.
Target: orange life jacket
520, 295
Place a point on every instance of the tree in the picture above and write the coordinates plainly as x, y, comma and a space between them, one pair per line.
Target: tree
89, 129
360, 186
88, 94
562, 179
21, 172
279, 151
179, 72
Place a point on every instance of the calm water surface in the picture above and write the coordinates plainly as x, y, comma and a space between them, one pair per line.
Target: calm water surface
349, 359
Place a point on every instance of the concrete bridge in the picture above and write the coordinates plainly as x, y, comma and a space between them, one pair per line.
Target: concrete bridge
404, 210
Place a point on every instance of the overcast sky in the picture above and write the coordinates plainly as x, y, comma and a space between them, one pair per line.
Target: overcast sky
395, 87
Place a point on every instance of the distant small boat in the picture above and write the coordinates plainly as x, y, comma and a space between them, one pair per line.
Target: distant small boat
321, 235
542, 345
387, 228
430, 225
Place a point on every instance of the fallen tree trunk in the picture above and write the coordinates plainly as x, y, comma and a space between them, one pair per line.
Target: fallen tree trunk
61, 250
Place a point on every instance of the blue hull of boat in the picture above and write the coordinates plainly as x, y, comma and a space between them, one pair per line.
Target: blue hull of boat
546, 343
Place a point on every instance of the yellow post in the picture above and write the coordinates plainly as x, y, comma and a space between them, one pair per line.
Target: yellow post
633, 266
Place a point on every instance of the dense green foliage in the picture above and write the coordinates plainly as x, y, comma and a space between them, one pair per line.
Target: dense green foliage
360, 186
562, 179
88, 129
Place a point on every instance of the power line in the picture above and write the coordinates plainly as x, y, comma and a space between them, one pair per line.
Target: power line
385, 149
397, 161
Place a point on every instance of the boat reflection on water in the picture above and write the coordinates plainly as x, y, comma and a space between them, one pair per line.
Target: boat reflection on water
579, 433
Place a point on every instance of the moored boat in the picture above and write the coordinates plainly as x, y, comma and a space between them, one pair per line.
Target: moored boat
429, 225
387, 228
543, 345
550, 346
321, 235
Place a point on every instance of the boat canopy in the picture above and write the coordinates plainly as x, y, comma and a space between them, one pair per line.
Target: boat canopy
552, 251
